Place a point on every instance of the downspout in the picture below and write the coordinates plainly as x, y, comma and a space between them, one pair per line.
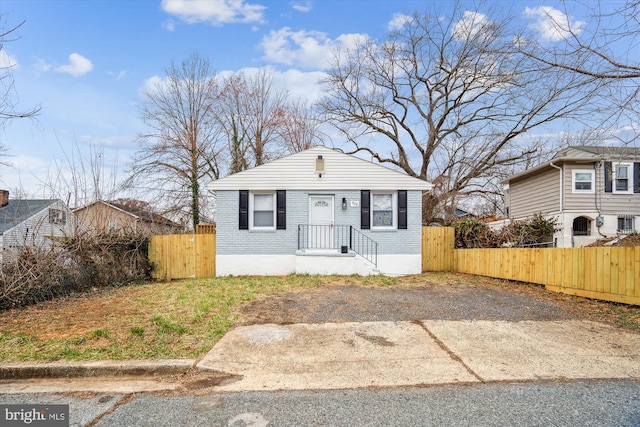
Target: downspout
599, 221
561, 202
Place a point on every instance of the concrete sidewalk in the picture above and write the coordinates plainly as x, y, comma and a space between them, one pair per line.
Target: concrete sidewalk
349, 355
370, 354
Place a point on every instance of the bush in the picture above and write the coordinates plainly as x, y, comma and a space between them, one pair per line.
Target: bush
471, 233
73, 265
531, 232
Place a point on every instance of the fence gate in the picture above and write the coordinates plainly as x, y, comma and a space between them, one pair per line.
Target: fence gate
182, 256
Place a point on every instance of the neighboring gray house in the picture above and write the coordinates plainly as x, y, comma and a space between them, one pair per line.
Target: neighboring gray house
594, 192
31, 222
319, 211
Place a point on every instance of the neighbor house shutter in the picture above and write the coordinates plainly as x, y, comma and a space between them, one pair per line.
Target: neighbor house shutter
365, 209
636, 177
402, 209
243, 216
608, 176
281, 210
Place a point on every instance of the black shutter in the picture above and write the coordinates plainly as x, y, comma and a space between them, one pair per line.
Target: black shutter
243, 217
281, 210
402, 209
608, 175
365, 209
636, 177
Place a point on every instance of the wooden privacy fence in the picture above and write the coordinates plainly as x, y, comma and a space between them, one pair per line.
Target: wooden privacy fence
607, 273
183, 256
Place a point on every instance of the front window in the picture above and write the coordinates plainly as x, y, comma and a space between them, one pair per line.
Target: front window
583, 181
626, 224
263, 210
382, 210
621, 178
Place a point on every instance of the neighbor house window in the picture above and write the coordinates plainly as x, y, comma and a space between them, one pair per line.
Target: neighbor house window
582, 181
626, 224
263, 212
383, 211
57, 216
581, 226
622, 182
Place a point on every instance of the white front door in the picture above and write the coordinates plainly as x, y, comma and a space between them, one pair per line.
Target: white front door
320, 232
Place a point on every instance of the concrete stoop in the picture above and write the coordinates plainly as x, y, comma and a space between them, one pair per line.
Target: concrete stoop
331, 261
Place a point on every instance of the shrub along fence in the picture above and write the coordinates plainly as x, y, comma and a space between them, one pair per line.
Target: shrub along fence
607, 273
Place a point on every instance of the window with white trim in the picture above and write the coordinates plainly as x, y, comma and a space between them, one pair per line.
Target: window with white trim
622, 177
626, 224
383, 210
263, 211
582, 181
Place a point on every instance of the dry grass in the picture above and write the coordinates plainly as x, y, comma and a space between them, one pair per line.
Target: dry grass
185, 319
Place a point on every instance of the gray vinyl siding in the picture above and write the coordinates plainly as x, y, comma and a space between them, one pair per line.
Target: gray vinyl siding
232, 241
34, 231
578, 201
616, 203
534, 194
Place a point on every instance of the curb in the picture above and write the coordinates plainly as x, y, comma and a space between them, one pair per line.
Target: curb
23, 371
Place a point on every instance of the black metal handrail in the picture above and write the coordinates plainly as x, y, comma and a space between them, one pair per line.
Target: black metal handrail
339, 237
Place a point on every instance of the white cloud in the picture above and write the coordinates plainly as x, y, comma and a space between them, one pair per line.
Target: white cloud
41, 65
398, 21
216, 12
552, 24
306, 86
308, 49
78, 65
469, 26
120, 75
303, 7
8, 61
169, 25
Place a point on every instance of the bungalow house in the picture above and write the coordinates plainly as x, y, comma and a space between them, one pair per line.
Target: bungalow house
32, 222
594, 192
124, 216
318, 211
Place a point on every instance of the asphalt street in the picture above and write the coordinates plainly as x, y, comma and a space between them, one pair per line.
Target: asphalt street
543, 403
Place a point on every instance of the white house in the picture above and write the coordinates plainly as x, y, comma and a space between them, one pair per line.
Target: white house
319, 211
32, 222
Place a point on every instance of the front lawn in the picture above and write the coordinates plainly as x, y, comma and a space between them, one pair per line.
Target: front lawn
184, 319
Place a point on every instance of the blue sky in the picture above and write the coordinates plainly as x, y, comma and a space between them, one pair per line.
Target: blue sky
86, 61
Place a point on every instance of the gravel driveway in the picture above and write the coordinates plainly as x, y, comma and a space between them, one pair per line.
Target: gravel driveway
351, 303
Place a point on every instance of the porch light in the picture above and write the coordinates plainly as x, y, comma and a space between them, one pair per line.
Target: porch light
344, 203
319, 165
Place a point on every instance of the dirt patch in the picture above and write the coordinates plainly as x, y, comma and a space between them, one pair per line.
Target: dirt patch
631, 240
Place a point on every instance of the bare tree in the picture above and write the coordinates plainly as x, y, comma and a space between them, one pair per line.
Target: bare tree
82, 176
261, 123
607, 50
265, 111
229, 111
181, 150
8, 109
448, 100
301, 128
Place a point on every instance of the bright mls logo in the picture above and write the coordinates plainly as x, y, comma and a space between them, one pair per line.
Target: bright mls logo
35, 415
